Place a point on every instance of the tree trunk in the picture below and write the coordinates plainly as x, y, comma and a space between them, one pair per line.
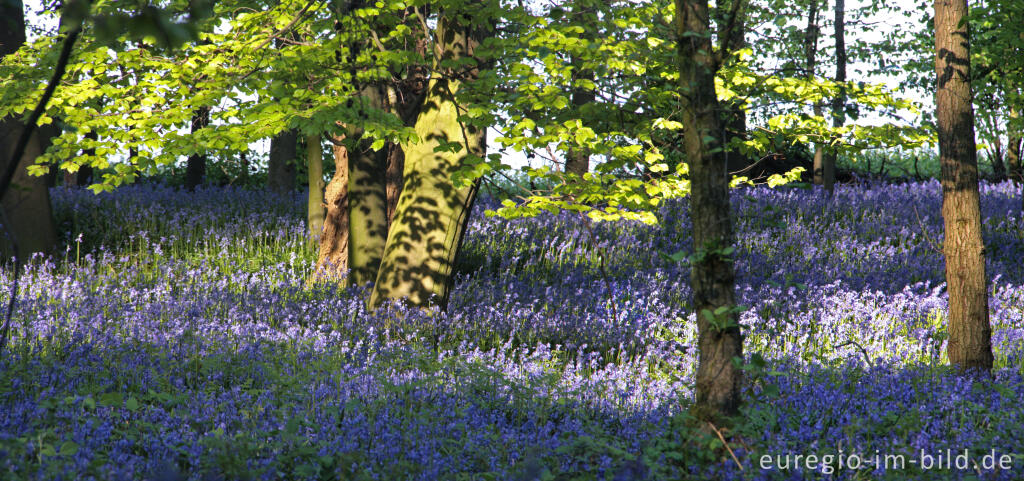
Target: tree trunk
27, 202
969, 345
828, 164
332, 260
46, 135
393, 178
811, 48
577, 161
1013, 153
712, 277
1013, 161
432, 212
367, 201
735, 116
281, 167
195, 170
996, 158
1015, 170
315, 170
83, 178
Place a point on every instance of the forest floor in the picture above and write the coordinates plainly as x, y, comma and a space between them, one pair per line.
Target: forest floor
176, 337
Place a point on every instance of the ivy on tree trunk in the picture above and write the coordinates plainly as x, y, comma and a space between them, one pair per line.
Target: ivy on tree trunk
712, 277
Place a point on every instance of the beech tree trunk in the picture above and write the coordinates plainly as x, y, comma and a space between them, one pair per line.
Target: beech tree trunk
281, 167
828, 164
83, 177
393, 178
712, 277
46, 135
27, 202
367, 200
315, 176
811, 48
996, 158
1015, 171
432, 212
195, 170
577, 161
1013, 159
332, 260
735, 116
969, 346
1013, 155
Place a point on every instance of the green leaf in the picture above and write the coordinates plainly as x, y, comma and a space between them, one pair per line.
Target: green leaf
68, 448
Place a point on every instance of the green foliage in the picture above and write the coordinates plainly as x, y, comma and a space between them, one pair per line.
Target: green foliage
298, 64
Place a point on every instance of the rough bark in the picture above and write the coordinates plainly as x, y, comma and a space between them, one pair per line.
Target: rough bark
27, 201
969, 346
195, 169
332, 260
432, 212
281, 166
828, 164
712, 277
315, 177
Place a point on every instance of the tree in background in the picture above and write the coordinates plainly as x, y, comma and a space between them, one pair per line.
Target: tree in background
969, 345
26, 203
315, 212
828, 165
281, 165
195, 167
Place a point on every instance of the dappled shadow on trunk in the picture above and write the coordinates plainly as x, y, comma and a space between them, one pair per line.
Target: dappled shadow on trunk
432, 211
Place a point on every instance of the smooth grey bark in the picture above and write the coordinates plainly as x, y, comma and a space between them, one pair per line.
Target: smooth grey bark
432, 212
811, 34
281, 166
84, 175
195, 168
367, 199
315, 179
26, 202
828, 165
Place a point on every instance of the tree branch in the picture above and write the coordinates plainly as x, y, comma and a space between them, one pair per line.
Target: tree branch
723, 40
